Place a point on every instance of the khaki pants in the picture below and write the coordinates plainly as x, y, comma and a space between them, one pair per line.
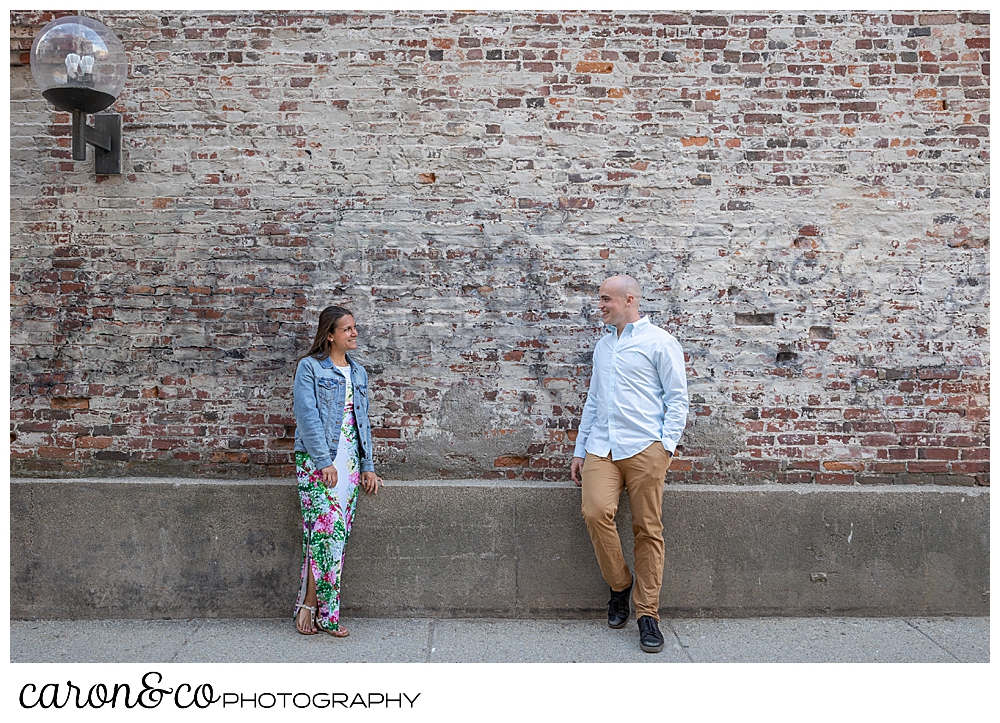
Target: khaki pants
642, 476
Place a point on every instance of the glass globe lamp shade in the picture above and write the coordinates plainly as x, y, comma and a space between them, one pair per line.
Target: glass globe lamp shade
79, 64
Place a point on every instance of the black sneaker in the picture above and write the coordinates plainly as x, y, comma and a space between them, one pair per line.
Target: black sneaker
619, 606
650, 638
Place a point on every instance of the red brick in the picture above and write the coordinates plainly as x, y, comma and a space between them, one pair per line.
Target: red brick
837, 466
938, 19
835, 479
937, 453
975, 18
510, 461
69, 403
594, 67
795, 478
970, 467
962, 441
93, 442
927, 467
889, 467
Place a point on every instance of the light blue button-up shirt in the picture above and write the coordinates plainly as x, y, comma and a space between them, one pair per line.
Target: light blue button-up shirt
638, 393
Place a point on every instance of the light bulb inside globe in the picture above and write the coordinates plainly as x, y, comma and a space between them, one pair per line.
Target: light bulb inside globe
78, 64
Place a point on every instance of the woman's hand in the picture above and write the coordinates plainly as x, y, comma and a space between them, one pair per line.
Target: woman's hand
370, 482
329, 476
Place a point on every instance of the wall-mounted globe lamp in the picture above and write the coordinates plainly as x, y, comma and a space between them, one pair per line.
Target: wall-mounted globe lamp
81, 65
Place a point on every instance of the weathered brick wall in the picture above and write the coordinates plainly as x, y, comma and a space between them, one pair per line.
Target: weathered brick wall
803, 196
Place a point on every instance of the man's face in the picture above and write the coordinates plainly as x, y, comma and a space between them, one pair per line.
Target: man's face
613, 304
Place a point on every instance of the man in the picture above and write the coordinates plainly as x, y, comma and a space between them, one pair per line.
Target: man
635, 413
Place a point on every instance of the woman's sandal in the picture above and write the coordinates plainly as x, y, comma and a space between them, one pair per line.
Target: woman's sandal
312, 619
341, 633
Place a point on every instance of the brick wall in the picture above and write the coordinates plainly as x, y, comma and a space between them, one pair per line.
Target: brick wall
804, 197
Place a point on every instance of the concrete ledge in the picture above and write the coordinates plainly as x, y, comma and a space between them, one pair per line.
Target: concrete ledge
177, 548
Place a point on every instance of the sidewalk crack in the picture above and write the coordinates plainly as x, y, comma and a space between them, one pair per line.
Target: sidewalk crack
188, 637
430, 640
957, 659
677, 637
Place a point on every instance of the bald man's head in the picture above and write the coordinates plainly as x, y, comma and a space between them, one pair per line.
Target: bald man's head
624, 285
619, 301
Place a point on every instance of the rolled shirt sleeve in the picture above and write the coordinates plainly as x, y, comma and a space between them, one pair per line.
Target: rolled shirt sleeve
586, 421
675, 394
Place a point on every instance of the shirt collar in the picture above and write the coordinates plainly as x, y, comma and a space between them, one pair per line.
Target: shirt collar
328, 362
632, 328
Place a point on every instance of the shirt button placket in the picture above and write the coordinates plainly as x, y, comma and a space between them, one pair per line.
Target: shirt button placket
611, 402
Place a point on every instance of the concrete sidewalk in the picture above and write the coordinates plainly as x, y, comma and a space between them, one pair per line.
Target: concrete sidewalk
466, 640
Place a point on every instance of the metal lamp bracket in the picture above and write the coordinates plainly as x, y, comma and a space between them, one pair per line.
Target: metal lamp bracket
106, 138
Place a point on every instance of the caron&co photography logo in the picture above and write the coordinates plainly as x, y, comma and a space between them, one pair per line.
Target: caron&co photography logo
153, 692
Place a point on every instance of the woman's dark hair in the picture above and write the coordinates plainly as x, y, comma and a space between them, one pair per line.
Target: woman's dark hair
328, 319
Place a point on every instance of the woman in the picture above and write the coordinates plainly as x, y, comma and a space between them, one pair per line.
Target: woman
333, 455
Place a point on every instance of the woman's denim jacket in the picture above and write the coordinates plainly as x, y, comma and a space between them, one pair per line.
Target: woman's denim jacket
320, 391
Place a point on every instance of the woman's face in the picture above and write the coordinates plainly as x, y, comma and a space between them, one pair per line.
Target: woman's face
345, 335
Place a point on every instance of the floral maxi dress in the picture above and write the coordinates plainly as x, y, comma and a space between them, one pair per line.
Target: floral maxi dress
327, 513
